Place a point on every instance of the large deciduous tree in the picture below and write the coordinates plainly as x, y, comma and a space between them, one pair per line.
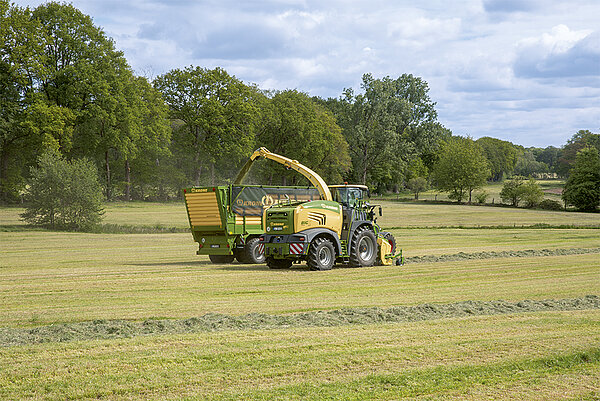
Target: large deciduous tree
85, 73
215, 115
461, 168
297, 127
387, 125
568, 154
582, 188
501, 155
21, 61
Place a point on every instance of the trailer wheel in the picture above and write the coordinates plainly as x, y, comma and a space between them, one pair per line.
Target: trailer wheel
220, 259
279, 263
321, 255
363, 249
252, 252
239, 255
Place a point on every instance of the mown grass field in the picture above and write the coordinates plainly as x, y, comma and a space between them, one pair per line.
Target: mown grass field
61, 278
551, 190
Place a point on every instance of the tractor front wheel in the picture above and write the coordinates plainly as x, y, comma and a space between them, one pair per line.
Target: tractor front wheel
321, 255
363, 249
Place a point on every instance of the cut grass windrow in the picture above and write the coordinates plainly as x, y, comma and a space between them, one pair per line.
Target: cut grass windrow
500, 254
538, 226
111, 329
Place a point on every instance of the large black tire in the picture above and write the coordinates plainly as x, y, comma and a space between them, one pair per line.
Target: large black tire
240, 255
250, 254
220, 259
279, 263
363, 249
321, 254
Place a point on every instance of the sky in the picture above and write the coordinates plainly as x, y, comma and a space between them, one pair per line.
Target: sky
525, 71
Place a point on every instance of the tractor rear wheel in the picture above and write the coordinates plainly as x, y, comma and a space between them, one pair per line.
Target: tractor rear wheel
220, 259
279, 263
321, 255
252, 252
363, 249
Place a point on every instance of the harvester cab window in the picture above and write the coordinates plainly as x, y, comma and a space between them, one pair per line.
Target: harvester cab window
348, 196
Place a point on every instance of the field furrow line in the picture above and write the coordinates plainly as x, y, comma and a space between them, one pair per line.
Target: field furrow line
111, 329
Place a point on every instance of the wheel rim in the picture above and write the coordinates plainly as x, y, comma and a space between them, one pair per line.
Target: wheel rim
324, 256
258, 256
365, 248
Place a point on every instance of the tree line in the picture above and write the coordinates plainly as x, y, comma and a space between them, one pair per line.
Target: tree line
66, 89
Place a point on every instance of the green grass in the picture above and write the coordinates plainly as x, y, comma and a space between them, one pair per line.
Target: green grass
444, 215
105, 276
59, 277
519, 357
140, 214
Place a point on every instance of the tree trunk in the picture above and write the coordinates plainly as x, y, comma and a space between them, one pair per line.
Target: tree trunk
470, 191
127, 181
212, 174
3, 176
284, 180
108, 191
198, 175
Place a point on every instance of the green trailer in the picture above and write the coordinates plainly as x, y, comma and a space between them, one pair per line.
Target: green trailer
226, 221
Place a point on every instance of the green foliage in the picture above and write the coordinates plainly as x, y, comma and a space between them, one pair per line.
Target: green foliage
216, 116
416, 168
527, 165
518, 189
531, 193
511, 191
582, 188
550, 156
21, 50
63, 194
461, 168
481, 196
296, 126
550, 204
501, 155
417, 185
568, 154
386, 126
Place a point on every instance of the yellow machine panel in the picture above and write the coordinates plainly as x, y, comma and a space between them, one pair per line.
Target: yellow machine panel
203, 209
384, 249
257, 220
313, 218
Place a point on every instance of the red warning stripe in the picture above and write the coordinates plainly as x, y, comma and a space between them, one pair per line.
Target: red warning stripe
296, 249
261, 248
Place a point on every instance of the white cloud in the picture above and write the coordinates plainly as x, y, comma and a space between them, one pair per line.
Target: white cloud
560, 53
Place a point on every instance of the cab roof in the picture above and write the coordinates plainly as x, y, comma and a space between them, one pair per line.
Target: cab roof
349, 186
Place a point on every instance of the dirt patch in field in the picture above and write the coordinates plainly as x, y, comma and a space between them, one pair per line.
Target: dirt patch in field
111, 329
500, 254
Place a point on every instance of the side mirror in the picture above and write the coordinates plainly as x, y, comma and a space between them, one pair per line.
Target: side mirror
380, 211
